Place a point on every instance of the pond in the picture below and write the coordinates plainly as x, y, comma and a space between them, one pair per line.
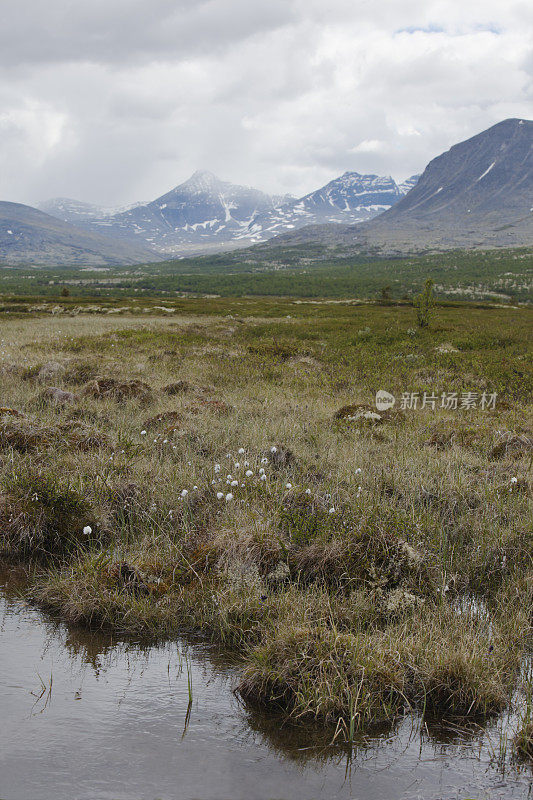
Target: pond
88, 717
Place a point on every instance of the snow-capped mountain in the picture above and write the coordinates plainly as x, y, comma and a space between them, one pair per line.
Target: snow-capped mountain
203, 209
348, 199
206, 213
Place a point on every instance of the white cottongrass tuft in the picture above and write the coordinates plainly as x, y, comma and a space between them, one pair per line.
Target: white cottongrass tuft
87, 530
249, 473
288, 485
241, 451
220, 495
143, 433
274, 449
184, 492
229, 497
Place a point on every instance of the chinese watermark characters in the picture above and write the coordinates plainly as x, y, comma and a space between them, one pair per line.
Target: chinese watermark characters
448, 401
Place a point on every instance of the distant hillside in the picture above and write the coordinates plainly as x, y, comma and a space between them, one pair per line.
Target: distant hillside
477, 194
29, 236
76, 211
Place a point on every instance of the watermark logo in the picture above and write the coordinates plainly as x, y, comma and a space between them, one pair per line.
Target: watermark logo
449, 401
384, 400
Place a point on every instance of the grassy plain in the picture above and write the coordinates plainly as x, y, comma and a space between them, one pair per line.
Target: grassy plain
199, 476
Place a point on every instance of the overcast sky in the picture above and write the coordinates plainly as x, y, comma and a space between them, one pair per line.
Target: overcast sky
113, 101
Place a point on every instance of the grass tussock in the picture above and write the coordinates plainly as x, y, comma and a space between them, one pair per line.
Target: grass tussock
41, 516
359, 566
432, 660
27, 435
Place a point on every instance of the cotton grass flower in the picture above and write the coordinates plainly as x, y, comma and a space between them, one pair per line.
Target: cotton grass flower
184, 492
241, 451
234, 483
288, 485
229, 497
220, 495
274, 449
143, 433
87, 530
249, 473
263, 477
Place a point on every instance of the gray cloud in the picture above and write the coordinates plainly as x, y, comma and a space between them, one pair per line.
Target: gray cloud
114, 102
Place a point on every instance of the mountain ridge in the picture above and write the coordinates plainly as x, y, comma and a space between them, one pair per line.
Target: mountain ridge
29, 236
479, 193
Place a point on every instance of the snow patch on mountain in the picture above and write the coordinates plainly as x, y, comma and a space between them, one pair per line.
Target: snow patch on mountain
207, 211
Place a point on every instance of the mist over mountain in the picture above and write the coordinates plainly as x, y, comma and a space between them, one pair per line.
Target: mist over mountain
76, 211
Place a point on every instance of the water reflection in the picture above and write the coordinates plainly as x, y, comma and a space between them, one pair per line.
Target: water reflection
115, 722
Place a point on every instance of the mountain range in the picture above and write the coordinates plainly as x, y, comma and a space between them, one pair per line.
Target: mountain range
478, 194
205, 213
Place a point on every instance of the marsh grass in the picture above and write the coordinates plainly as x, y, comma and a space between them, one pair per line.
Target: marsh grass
367, 570
42, 515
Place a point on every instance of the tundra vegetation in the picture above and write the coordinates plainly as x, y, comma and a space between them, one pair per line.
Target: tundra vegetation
221, 466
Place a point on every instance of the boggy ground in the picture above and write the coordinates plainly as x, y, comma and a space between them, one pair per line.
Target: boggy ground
193, 472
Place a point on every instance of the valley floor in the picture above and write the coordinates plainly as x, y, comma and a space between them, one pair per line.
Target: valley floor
227, 471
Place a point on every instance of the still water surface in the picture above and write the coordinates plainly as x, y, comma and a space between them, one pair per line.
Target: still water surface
86, 717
